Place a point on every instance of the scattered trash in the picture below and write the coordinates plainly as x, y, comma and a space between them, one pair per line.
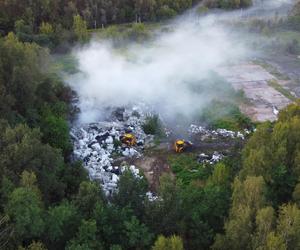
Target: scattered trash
151, 196
212, 159
215, 134
275, 110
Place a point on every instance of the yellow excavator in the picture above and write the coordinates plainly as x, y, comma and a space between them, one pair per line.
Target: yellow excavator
180, 146
128, 139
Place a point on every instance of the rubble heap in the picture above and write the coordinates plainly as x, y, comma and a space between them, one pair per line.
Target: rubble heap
210, 159
98, 144
214, 134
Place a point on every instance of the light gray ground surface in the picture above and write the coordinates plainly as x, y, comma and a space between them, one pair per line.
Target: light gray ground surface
288, 65
253, 79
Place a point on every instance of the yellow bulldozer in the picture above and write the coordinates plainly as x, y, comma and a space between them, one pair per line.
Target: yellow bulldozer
181, 145
128, 139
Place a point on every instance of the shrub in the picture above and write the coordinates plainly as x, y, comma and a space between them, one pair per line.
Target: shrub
153, 126
187, 168
166, 12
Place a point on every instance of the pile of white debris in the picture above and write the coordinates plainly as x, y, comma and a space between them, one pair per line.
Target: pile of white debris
210, 159
98, 144
105, 157
214, 134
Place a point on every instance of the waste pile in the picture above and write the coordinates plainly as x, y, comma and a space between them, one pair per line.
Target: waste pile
210, 159
215, 134
208, 134
98, 145
105, 155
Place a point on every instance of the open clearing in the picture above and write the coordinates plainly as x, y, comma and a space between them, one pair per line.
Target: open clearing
254, 81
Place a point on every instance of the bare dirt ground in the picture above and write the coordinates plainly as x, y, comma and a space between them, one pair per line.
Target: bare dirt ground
155, 162
253, 80
153, 167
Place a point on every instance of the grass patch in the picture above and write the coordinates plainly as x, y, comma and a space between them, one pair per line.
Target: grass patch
65, 63
125, 27
274, 84
187, 168
223, 111
288, 36
122, 33
226, 115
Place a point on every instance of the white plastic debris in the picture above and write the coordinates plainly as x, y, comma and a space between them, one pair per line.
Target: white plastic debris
240, 135
212, 159
206, 133
130, 152
275, 110
151, 196
216, 157
94, 145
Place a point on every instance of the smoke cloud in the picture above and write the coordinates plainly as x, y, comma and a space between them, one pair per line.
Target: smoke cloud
159, 73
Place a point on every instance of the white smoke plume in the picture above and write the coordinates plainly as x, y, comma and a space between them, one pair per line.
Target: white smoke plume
159, 73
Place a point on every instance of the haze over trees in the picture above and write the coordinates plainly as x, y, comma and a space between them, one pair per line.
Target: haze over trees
96, 12
56, 22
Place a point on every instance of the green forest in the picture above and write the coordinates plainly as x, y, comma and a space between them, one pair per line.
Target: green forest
248, 201
51, 23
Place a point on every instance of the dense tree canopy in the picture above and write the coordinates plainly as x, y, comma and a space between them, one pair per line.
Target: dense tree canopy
56, 23
267, 183
36, 14
250, 200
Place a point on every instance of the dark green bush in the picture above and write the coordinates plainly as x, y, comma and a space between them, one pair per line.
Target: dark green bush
153, 126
